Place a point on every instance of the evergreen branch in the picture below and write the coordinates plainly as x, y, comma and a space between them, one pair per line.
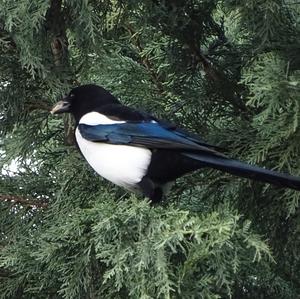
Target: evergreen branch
145, 61
195, 244
207, 66
69, 131
292, 3
288, 276
190, 37
38, 106
8, 41
6, 38
5, 273
230, 90
15, 199
56, 23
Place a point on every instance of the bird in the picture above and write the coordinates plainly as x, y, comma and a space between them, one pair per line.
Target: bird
142, 153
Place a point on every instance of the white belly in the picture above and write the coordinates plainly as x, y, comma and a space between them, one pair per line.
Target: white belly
121, 164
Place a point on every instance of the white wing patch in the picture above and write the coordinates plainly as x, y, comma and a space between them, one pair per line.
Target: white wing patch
95, 118
121, 164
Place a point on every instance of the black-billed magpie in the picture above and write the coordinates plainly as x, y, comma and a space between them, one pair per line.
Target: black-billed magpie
137, 151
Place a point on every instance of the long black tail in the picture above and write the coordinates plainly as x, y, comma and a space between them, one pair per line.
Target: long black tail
248, 171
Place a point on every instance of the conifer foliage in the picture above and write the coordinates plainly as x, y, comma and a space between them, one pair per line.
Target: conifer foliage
228, 70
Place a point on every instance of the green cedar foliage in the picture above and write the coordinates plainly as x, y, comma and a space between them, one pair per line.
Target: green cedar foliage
229, 70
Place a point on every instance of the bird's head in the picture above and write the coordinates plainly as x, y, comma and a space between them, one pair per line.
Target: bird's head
84, 99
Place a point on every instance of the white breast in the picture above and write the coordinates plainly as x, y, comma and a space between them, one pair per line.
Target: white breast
121, 164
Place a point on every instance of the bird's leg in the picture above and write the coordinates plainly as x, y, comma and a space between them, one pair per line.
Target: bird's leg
157, 196
149, 189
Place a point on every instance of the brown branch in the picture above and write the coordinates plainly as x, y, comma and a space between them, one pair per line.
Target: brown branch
57, 47
145, 61
69, 130
55, 23
15, 199
38, 106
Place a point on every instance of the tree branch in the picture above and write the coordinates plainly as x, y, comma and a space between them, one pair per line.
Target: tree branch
230, 90
6, 38
15, 199
145, 61
189, 34
38, 106
56, 26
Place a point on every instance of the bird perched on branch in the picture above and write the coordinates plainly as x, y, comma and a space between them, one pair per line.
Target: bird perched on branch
137, 151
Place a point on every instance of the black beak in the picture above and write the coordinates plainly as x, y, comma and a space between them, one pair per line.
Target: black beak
61, 106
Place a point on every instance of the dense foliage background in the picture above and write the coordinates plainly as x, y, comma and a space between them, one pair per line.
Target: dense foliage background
228, 70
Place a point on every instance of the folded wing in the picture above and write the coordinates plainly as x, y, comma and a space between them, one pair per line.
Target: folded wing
146, 134
153, 135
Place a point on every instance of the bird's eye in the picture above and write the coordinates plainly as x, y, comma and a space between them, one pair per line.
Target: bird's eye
71, 95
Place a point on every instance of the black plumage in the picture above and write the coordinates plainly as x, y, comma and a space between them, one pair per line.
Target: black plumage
174, 151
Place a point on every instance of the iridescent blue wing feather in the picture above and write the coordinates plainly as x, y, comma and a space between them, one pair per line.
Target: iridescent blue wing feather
148, 134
